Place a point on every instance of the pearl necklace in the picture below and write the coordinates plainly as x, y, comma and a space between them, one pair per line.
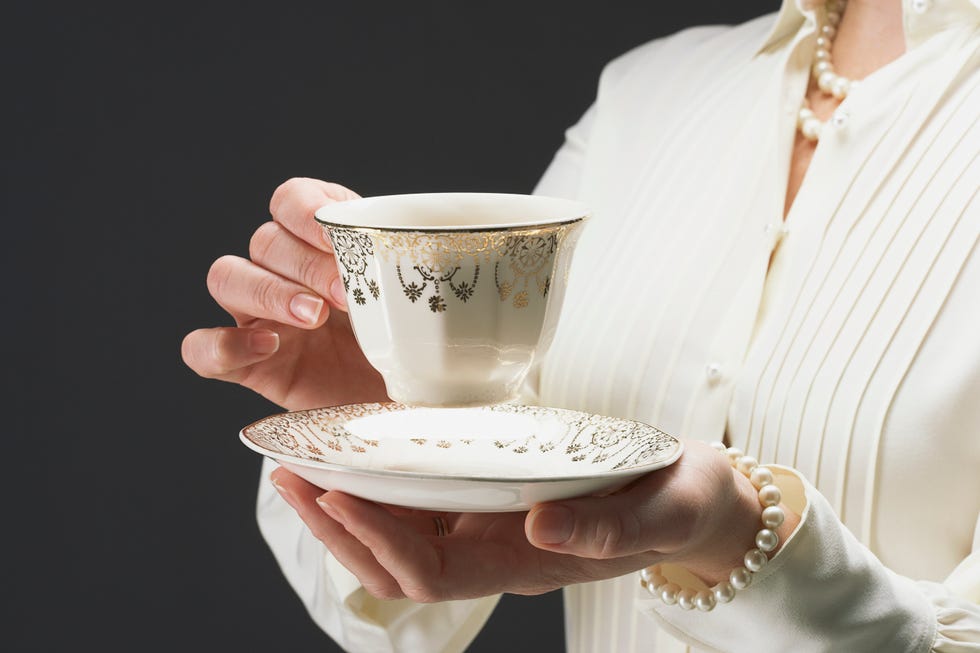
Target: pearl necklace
828, 80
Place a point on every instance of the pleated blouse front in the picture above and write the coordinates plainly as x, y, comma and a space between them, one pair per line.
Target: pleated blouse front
843, 342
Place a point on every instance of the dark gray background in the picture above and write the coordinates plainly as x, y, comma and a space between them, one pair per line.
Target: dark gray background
141, 141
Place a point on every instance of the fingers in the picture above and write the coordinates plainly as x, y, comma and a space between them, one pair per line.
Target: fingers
406, 555
245, 289
277, 250
348, 551
226, 353
489, 556
295, 201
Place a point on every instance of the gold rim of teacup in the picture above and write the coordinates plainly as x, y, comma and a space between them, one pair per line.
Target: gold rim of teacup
522, 228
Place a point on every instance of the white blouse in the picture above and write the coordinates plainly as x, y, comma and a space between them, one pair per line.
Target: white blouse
843, 343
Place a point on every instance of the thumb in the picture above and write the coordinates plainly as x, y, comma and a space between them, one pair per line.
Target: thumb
648, 515
596, 528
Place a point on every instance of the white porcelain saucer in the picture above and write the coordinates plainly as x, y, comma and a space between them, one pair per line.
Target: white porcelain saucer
492, 459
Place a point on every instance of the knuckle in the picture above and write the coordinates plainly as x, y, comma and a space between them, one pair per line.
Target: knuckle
383, 591
221, 353
262, 241
616, 534
423, 593
314, 273
318, 530
339, 193
266, 295
295, 189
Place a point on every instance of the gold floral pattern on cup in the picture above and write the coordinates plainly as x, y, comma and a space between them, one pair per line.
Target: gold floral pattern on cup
450, 265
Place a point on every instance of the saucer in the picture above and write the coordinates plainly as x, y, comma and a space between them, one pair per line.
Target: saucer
489, 459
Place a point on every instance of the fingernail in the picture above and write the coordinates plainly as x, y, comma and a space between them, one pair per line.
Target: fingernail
263, 342
282, 491
306, 307
552, 525
338, 293
330, 509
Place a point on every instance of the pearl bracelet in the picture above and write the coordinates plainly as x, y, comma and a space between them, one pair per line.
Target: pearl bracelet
766, 541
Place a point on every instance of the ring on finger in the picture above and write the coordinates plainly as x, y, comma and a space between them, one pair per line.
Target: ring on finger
442, 528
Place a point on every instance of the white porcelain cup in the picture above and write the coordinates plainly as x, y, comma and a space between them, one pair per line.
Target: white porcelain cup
453, 295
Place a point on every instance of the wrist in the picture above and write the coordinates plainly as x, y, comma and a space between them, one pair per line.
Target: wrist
733, 536
735, 532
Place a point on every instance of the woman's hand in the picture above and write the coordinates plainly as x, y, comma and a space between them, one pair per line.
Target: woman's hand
288, 345
697, 512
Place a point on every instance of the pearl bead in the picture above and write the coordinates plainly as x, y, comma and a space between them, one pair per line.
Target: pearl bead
769, 495
723, 591
668, 593
646, 574
761, 476
746, 464
766, 540
773, 517
740, 578
854, 84
685, 599
719, 447
755, 560
734, 453
811, 129
704, 601
820, 67
826, 81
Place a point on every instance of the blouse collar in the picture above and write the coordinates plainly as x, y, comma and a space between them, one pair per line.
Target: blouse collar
921, 18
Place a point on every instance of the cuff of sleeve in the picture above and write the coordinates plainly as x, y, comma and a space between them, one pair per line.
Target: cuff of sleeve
823, 591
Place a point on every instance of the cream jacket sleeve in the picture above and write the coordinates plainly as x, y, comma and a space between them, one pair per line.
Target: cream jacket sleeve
339, 605
825, 591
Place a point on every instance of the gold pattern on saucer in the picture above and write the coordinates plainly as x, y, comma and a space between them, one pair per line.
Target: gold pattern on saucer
592, 439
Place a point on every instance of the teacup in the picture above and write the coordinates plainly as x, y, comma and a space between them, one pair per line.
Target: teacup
453, 295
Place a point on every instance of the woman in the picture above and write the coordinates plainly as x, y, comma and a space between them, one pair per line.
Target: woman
779, 254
